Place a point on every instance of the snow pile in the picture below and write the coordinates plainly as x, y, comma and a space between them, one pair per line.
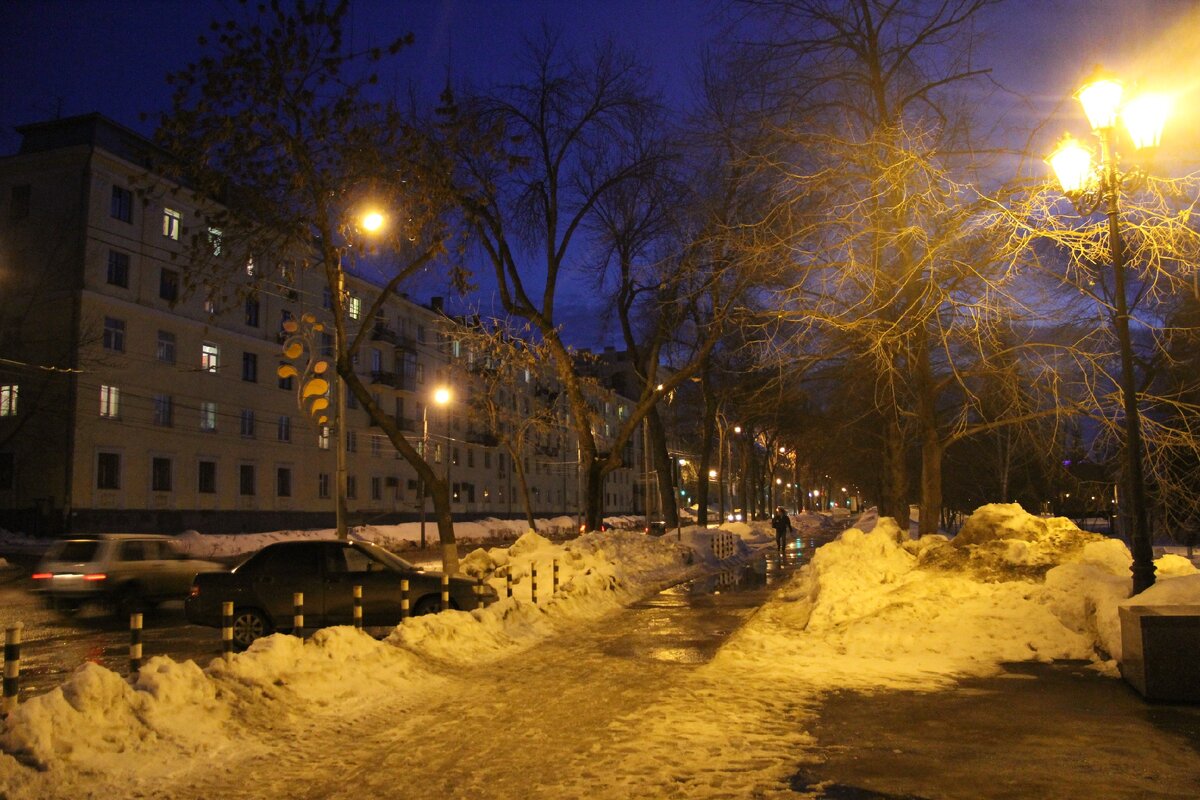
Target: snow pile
98, 723
874, 610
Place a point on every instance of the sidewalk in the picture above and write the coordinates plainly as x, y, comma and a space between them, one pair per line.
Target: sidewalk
1039, 731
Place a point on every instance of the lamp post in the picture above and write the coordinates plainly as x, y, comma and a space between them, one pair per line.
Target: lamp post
1091, 189
441, 396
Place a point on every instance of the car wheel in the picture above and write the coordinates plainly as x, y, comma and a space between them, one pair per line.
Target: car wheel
248, 624
429, 604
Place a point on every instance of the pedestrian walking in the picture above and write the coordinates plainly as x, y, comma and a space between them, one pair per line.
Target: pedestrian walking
783, 526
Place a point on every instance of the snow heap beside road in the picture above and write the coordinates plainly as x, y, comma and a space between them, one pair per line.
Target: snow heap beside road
877, 610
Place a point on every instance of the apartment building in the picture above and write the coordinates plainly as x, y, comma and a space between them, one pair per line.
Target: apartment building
134, 396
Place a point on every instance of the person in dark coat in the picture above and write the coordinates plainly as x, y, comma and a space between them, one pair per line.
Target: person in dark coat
783, 527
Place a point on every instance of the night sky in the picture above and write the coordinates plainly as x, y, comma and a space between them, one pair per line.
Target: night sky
67, 57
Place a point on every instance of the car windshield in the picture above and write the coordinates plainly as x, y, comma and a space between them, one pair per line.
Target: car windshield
75, 551
392, 560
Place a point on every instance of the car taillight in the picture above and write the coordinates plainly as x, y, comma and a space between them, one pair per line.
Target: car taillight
95, 576
194, 591
41, 576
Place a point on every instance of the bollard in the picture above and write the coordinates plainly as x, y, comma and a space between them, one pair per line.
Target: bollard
298, 613
227, 630
555, 584
533, 581
508, 582
445, 591
12, 667
358, 608
135, 643
403, 598
479, 592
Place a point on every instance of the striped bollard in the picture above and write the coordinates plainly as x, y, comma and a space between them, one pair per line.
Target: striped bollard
555, 585
358, 608
298, 613
533, 581
508, 583
445, 591
12, 667
227, 630
404, 598
135, 643
479, 592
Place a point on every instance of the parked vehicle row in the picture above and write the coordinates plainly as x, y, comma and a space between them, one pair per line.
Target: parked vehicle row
136, 571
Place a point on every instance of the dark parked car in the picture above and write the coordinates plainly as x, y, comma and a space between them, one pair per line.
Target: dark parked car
261, 588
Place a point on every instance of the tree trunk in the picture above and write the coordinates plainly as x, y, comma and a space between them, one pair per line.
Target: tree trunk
519, 468
894, 500
594, 489
662, 469
931, 481
706, 448
439, 490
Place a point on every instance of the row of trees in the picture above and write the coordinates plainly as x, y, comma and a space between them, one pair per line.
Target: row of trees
811, 249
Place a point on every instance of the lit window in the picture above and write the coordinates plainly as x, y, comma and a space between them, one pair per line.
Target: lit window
114, 334
210, 357
171, 223
208, 416
8, 399
250, 266
323, 438
214, 240
354, 307
110, 402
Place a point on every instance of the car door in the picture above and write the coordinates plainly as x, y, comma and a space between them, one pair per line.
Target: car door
348, 566
133, 565
282, 569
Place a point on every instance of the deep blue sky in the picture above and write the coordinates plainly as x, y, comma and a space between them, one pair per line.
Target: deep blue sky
66, 57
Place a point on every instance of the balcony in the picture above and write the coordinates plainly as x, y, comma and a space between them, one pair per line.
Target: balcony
405, 424
485, 438
385, 378
382, 333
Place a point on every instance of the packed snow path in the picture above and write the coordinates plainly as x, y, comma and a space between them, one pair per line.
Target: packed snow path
624, 707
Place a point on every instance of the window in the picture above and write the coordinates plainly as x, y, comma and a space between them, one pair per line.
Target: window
171, 223
326, 344
454, 456
470, 457
323, 486
249, 265
168, 285
250, 367
108, 470
214, 241
121, 206
118, 269
351, 400
252, 308
210, 357
19, 207
351, 442
351, 487
487, 459
354, 307
421, 334
323, 438
160, 474
326, 298
376, 360
420, 372
206, 477
285, 383
283, 482
285, 429
9, 393
246, 480
165, 351
248, 423
376, 445
164, 410
376, 488
110, 402
114, 334
208, 416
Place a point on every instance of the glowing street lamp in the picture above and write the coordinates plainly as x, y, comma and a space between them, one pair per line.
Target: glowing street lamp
1091, 189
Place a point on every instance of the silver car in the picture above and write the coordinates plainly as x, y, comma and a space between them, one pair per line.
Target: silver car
129, 572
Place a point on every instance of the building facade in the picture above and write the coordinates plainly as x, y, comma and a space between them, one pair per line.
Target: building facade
134, 396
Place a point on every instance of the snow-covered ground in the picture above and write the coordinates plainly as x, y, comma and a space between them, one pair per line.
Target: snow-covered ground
874, 609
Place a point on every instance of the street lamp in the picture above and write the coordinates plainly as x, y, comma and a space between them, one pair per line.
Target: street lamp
1090, 188
441, 397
